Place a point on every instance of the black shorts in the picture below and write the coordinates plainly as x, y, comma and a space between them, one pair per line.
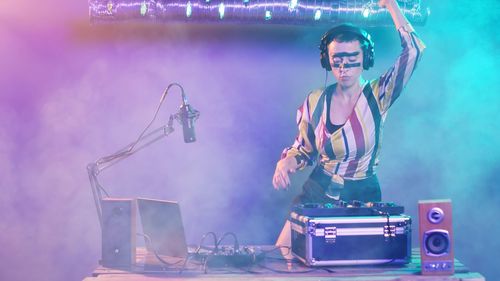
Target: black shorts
313, 190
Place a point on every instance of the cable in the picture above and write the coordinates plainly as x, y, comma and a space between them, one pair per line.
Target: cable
236, 245
215, 250
128, 149
326, 77
278, 248
328, 270
388, 216
149, 242
389, 226
287, 272
184, 264
388, 262
283, 254
197, 251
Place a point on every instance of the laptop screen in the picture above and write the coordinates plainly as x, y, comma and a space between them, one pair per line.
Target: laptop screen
162, 223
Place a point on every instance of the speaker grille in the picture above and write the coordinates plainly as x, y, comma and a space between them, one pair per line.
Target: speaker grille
437, 242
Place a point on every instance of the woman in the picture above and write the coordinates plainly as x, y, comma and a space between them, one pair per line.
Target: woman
341, 124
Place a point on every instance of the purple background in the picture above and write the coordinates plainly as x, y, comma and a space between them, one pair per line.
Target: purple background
72, 92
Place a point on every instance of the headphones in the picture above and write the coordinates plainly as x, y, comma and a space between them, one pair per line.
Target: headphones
366, 44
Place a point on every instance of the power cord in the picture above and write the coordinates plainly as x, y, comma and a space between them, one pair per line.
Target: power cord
215, 250
149, 245
388, 223
236, 246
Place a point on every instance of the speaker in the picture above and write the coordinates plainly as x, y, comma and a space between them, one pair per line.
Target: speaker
436, 237
118, 232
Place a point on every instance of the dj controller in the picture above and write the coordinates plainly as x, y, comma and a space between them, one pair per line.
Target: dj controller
350, 233
345, 209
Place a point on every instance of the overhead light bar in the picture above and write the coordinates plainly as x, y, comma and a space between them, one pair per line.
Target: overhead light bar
361, 12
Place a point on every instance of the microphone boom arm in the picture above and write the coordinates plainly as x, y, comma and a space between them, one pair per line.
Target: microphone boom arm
144, 140
95, 168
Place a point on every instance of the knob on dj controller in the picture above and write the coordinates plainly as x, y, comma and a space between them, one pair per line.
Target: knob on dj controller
342, 204
356, 203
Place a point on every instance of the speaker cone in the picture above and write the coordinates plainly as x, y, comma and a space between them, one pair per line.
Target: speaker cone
437, 242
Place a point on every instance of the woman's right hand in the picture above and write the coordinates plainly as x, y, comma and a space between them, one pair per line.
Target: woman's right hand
283, 167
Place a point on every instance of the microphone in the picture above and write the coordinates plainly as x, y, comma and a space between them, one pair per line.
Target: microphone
188, 115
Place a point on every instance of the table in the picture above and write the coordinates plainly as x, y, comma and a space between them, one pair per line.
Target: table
270, 266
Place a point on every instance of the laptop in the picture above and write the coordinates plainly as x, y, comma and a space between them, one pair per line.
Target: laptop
162, 223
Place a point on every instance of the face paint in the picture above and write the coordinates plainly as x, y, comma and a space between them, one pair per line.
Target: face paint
345, 54
338, 60
346, 65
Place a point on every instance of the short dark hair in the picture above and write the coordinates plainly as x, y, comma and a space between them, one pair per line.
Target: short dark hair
349, 37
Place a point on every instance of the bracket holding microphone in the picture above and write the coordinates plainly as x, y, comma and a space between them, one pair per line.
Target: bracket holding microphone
186, 116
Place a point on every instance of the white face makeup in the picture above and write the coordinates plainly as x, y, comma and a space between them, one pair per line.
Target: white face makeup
346, 59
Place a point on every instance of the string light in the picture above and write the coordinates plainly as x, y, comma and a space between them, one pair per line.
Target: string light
189, 9
256, 11
144, 8
268, 15
369, 8
221, 10
366, 12
109, 6
317, 15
